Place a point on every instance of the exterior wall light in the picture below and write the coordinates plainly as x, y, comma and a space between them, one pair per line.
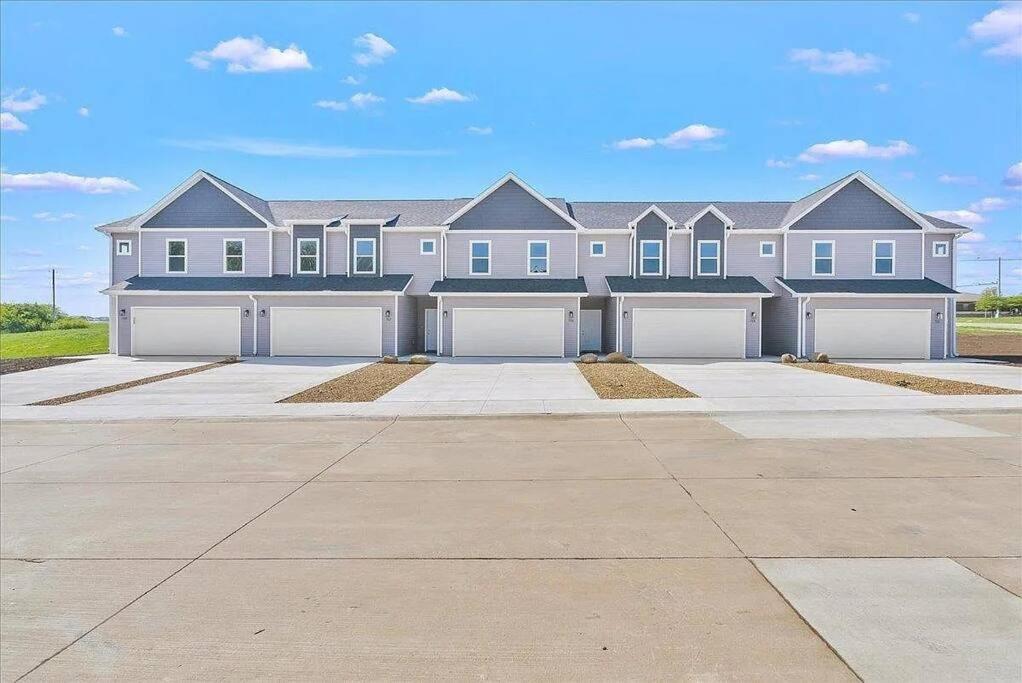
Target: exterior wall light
445, 315
248, 313
753, 315
386, 314
940, 316
625, 315
262, 312
571, 316
124, 313
809, 314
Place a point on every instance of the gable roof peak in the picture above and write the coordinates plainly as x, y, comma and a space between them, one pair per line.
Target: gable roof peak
510, 176
710, 208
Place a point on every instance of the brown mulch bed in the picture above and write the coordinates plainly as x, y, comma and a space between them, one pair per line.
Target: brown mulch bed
930, 385
11, 365
629, 380
361, 386
71, 398
1002, 346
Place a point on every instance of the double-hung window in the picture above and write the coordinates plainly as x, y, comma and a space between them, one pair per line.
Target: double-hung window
823, 258
940, 249
651, 261
123, 247
177, 256
597, 249
479, 258
539, 258
427, 247
883, 257
709, 257
308, 255
234, 256
365, 255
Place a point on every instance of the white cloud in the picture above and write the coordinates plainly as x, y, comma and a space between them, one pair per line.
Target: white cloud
361, 100
353, 80
990, 204
27, 252
778, 163
1002, 26
81, 280
9, 121
53, 217
332, 104
911, 17
840, 63
882, 87
54, 180
971, 236
1013, 176
251, 55
960, 216
83, 111
479, 130
4, 218
634, 143
855, 149
440, 96
119, 31
372, 50
696, 132
84, 247
949, 179
280, 148
21, 101
809, 176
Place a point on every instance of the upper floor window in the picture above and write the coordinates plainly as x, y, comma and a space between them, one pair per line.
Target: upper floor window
709, 257
479, 257
941, 249
767, 249
427, 247
308, 255
177, 256
539, 258
123, 247
234, 256
823, 258
883, 257
651, 262
597, 248
365, 255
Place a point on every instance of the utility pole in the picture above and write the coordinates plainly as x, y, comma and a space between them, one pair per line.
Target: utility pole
53, 291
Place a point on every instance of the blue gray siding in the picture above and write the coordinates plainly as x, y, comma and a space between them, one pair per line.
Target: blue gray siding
855, 207
407, 325
509, 207
650, 228
203, 205
128, 302
749, 304
935, 305
508, 254
780, 325
709, 227
268, 301
743, 257
123, 266
401, 256
281, 253
362, 232
595, 269
853, 254
336, 252
940, 268
681, 253
205, 252
569, 304
610, 316
307, 232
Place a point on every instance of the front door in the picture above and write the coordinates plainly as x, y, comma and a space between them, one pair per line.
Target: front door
592, 330
430, 335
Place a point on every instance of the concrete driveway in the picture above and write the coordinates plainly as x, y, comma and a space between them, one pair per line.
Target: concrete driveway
604, 548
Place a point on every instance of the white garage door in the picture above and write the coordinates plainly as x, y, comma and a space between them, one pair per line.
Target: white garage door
508, 332
688, 333
861, 333
181, 331
326, 331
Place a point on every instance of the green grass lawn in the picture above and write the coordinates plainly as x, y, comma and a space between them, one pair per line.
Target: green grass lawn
88, 340
1004, 320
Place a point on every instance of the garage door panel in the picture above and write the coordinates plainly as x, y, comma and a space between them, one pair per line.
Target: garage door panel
508, 332
873, 333
185, 331
326, 331
688, 333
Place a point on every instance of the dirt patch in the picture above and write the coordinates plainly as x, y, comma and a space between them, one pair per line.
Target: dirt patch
361, 386
629, 380
11, 365
71, 398
930, 385
991, 345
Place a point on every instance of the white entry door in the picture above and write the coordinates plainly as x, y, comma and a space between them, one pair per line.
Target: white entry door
185, 331
876, 333
508, 332
688, 332
430, 331
592, 330
326, 331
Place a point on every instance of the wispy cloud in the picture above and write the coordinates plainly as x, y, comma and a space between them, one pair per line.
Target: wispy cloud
21, 101
9, 121
361, 100
809, 176
251, 55
55, 180
960, 216
34, 253
1013, 176
778, 163
440, 96
855, 149
119, 31
951, 179
353, 80
911, 17
1002, 26
50, 217
479, 130
5, 218
882, 87
634, 143
990, 204
281, 148
683, 138
84, 112
840, 63
372, 50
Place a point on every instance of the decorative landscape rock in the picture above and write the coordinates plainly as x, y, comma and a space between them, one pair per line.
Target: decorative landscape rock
389, 359
418, 360
821, 357
617, 357
588, 358
789, 358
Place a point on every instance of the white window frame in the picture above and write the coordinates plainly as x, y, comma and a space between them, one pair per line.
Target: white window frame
355, 256
234, 272
422, 247
947, 249
773, 249
300, 256
700, 257
601, 255
659, 257
166, 247
117, 248
893, 257
489, 256
832, 257
529, 257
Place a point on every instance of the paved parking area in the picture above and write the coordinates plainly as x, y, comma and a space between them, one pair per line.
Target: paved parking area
600, 547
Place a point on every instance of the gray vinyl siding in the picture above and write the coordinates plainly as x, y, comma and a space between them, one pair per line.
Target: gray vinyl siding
123, 266
610, 316
709, 227
780, 325
935, 305
651, 228
509, 256
855, 207
401, 256
203, 205
111, 330
509, 207
307, 232
205, 252
853, 255
281, 253
940, 268
128, 302
569, 304
268, 301
744, 259
681, 254
336, 252
407, 325
595, 269
749, 304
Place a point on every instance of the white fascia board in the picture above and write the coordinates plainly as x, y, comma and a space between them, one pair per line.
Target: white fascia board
654, 209
154, 292
512, 231
693, 295
913, 215
520, 183
848, 295
778, 281
721, 216
360, 221
518, 295
416, 228
184, 187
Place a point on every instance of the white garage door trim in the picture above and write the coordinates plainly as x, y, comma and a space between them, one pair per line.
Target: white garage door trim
737, 313
235, 349
376, 344
920, 345
560, 314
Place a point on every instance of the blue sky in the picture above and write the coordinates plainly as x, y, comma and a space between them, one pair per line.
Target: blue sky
601, 101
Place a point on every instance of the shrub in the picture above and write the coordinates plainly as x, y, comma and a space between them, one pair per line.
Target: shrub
70, 323
26, 317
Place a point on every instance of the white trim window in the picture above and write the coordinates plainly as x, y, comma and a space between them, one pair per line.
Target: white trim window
708, 262
883, 258
177, 256
597, 249
234, 256
123, 248
365, 255
823, 257
651, 259
479, 257
308, 255
768, 249
941, 249
427, 247
538, 257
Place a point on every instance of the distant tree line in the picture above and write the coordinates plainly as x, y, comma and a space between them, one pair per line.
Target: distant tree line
36, 317
989, 301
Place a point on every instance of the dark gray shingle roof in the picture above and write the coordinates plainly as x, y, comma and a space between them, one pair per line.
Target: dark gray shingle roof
737, 284
864, 286
277, 283
533, 285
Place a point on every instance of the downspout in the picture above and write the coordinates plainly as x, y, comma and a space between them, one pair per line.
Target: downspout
723, 256
117, 326
578, 321
798, 327
922, 260
397, 322
620, 324
667, 261
325, 252
945, 344
439, 326
255, 325
784, 257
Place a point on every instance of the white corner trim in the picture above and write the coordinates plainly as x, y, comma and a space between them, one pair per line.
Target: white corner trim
654, 209
520, 183
710, 208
